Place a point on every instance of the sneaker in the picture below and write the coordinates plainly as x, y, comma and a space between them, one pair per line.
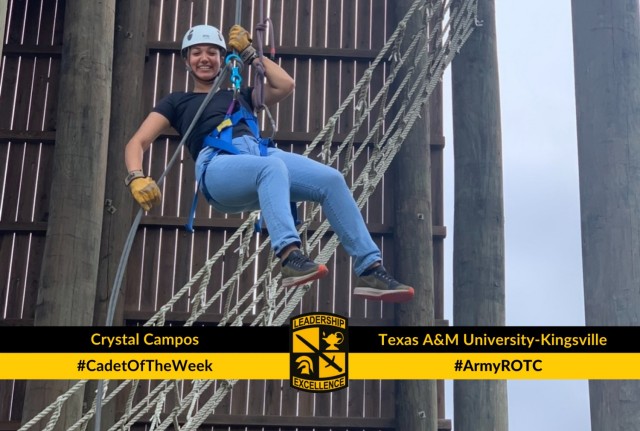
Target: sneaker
378, 285
299, 269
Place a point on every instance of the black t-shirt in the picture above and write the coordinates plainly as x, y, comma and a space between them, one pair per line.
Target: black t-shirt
181, 107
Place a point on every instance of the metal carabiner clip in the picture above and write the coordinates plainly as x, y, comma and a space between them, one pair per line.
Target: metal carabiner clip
236, 78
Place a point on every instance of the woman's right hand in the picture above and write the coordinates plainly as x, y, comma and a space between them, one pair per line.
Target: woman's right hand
146, 192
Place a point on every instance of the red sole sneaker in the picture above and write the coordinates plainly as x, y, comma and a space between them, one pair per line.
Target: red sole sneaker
296, 281
394, 296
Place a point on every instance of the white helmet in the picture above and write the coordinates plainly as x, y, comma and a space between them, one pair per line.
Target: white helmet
202, 34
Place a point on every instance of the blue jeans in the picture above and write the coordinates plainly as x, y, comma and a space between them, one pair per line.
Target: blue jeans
248, 182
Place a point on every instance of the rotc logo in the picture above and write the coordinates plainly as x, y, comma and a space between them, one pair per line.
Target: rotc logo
319, 350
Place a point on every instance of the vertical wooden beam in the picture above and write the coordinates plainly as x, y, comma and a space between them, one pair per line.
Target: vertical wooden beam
416, 400
69, 273
606, 46
130, 43
478, 239
436, 144
129, 54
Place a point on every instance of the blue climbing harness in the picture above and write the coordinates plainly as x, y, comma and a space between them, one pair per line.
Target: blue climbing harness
220, 139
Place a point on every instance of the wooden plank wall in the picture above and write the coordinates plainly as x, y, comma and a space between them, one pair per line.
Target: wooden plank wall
326, 45
28, 96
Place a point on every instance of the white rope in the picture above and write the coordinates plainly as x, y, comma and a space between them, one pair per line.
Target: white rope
385, 136
54, 408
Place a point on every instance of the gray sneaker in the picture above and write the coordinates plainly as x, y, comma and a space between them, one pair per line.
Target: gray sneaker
299, 269
378, 285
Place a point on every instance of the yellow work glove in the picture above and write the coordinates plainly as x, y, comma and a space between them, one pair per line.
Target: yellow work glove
146, 192
240, 41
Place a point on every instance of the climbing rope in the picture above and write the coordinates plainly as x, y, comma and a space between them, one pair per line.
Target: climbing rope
384, 138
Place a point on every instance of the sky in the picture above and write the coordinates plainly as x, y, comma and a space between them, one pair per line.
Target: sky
541, 199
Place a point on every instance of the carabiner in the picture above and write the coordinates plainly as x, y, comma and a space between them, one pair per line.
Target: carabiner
236, 78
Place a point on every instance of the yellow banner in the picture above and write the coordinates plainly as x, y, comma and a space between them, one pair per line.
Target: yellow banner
490, 366
362, 366
149, 366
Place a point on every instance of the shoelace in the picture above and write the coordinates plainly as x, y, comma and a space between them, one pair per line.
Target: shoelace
298, 260
382, 274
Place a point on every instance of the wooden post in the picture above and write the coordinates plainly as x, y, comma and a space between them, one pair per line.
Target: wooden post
130, 43
606, 46
129, 53
416, 400
69, 273
436, 144
478, 247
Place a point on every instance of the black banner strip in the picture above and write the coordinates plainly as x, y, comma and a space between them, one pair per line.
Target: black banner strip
362, 339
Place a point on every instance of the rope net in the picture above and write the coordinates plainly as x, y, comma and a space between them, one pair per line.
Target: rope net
414, 65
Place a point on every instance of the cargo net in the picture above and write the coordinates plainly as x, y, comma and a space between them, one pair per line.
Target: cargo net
416, 64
